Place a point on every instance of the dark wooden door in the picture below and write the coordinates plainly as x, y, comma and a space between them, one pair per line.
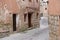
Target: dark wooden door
14, 22
29, 20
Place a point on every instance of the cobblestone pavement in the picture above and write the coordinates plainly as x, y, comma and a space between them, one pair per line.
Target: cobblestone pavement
35, 34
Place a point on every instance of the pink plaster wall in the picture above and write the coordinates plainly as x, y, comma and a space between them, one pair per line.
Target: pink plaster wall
54, 7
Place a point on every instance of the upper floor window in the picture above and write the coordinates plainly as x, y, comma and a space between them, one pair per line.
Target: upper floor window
36, 0
23, 0
47, 2
42, 0
45, 8
30, 0
37, 15
59, 16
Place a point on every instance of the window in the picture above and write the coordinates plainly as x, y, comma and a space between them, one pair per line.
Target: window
25, 17
36, 0
45, 8
30, 0
59, 17
47, 2
23, 0
37, 15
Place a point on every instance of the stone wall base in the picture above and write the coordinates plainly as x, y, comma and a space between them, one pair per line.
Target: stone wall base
54, 26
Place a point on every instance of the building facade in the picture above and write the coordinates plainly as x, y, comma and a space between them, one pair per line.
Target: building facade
44, 8
19, 15
54, 19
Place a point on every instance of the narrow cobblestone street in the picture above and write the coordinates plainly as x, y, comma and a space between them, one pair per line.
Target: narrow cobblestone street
34, 34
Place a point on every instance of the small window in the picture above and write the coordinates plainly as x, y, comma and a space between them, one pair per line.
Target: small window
59, 17
25, 17
29, 0
37, 15
23, 0
36, 0
45, 8
47, 2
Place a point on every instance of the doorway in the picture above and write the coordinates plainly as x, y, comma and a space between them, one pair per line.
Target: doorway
14, 22
29, 20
